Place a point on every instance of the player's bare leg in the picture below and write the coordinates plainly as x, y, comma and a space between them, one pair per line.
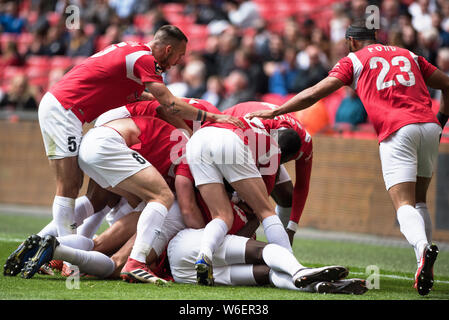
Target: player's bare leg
121, 256
422, 185
282, 194
151, 187
117, 235
217, 200
69, 179
254, 193
412, 226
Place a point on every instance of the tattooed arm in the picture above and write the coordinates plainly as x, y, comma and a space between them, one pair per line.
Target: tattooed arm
177, 106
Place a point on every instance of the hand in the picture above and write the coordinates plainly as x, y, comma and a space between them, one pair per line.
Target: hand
264, 114
224, 118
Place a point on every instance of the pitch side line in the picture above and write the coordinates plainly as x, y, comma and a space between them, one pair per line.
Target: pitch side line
392, 276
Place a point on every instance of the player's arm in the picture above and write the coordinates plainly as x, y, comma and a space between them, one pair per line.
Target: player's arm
177, 106
185, 194
439, 80
253, 223
175, 121
303, 171
304, 99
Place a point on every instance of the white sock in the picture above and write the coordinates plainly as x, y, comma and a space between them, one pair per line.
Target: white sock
64, 215
424, 212
92, 223
49, 229
413, 228
280, 259
275, 232
281, 280
91, 262
121, 210
148, 227
242, 275
283, 214
83, 209
213, 236
76, 241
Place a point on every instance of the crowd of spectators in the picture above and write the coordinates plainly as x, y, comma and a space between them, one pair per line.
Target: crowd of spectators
238, 50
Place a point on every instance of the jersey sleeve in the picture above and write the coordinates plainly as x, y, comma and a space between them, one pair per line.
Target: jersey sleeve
183, 170
303, 170
146, 69
343, 70
426, 67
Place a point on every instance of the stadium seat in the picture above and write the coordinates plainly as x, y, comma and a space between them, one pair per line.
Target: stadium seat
61, 62
41, 62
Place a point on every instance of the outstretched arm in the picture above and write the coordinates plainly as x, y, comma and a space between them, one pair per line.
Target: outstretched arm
177, 106
439, 80
304, 99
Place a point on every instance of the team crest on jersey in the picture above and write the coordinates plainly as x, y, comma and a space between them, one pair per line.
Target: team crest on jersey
157, 68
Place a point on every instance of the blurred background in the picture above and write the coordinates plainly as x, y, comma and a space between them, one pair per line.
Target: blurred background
237, 51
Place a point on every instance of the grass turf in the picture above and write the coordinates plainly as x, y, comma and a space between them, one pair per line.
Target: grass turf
396, 266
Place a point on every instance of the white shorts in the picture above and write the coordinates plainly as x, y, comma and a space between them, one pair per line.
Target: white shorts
61, 129
113, 114
409, 152
105, 157
183, 251
216, 153
283, 175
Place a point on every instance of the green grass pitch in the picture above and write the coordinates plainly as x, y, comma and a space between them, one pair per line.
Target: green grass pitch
396, 266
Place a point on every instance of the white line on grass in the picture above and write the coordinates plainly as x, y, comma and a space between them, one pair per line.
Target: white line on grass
392, 276
11, 239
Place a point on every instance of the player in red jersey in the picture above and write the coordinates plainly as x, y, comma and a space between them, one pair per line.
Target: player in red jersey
249, 160
108, 79
391, 82
297, 195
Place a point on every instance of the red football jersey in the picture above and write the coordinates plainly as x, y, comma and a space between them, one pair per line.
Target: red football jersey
159, 147
108, 79
390, 81
303, 160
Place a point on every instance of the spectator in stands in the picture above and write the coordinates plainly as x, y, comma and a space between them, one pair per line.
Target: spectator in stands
38, 46
205, 11
194, 76
358, 9
10, 21
389, 14
409, 39
429, 42
311, 72
351, 110
282, 76
443, 35
124, 8
338, 23
215, 90
421, 15
55, 75
224, 59
276, 48
175, 81
21, 96
11, 56
242, 13
99, 13
443, 65
237, 91
209, 54
80, 45
55, 41
158, 19
245, 62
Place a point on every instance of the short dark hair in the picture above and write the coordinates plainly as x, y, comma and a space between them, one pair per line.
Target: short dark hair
170, 32
289, 142
359, 31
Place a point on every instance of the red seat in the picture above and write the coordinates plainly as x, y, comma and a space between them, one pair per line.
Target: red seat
61, 62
